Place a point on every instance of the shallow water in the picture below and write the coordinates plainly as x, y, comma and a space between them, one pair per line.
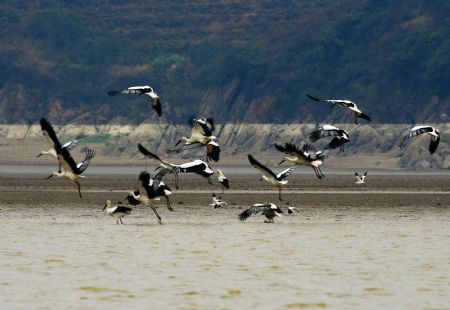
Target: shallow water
337, 257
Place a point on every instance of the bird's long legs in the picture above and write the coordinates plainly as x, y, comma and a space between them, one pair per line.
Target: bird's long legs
279, 193
156, 213
79, 188
169, 206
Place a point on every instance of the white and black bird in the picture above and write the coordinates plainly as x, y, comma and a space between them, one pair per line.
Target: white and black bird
305, 157
197, 166
142, 90
344, 104
360, 179
291, 210
156, 189
201, 135
269, 210
72, 171
117, 211
223, 180
70, 145
146, 193
217, 202
433, 132
340, 137
276, 179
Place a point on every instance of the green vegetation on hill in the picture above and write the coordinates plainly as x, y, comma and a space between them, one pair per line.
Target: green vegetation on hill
59, 58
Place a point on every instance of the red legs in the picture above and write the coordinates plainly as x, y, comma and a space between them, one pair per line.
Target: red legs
177, 178
169, 206
156, 213
78, 186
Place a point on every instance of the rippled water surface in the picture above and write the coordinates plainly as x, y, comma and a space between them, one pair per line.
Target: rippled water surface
55, 256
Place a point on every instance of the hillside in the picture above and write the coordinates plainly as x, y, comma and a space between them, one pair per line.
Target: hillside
237, 61
371, 146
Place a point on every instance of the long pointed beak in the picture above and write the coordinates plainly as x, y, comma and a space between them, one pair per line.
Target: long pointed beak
49, 176
281, 162
104, 208
39, 155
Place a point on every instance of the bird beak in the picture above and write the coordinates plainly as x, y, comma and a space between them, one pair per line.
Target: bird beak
179, 141
157, 168
39, 155
49, 176
104, 208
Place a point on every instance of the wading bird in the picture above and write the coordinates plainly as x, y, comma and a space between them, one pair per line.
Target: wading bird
434, 133
276, 179
142, 90
117, 211
269, 210
201, 135
197, 166
302, 157
344, 104
72, 171
360, 178
217, 202
291, 210
223, 180
340, 137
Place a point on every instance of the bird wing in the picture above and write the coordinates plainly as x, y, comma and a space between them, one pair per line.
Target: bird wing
225, 183
290, 149
323, 132
357, 176
122, 209
265, 171
70, 145
434, 142
418, 130
337, 142
362, 115
285, 173
149, 154
131, 199
213, 150
138, 90
253, 210
156, 104
50, 135
314, 98
81, 167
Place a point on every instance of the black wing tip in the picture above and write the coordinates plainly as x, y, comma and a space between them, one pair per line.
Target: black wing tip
113, 92
226, 183
365, 116
143, 150
312, 97
157, 107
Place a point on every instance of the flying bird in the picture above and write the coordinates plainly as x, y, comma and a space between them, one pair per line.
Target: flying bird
117, 211
201, 135
276, 179
223, 180
302, 156
68, 145
197, 166
433, 132
360, 178
340, 137
217, 202
344, 104
72, 171
142, 90
269, 210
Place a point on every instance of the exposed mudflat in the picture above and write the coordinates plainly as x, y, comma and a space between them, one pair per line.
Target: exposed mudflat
384, 244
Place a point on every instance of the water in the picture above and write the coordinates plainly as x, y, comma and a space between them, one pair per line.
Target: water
63, 256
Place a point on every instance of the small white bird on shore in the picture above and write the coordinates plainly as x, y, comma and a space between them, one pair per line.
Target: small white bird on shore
360, 178
217, 202
291, 210
117, 211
